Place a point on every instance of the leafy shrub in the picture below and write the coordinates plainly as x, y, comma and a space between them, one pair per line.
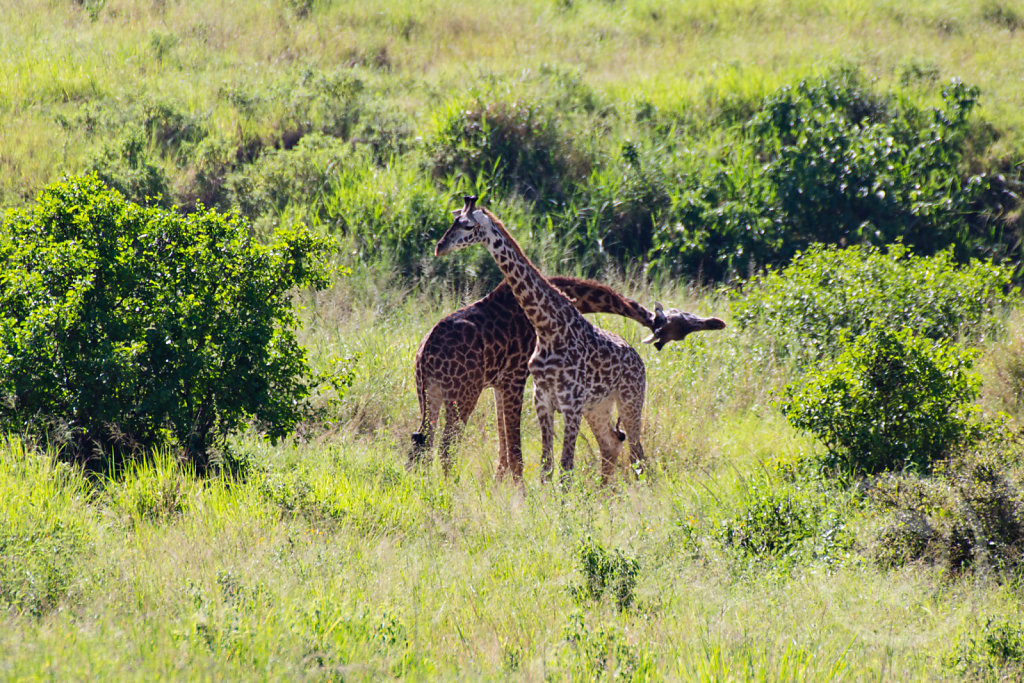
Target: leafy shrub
610, 219
829, 161
122, 325
600, 653
279, 177
968, 514
889, 401
128, 166
515, 146
990, 649
604, 571
825, 294
42, 529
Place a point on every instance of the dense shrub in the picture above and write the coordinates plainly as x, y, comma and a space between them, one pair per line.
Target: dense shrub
827, 293
829, 161
129, 166
988, 649
512, 146
120, 325
610, 219
889, 401
297, 176
969, 513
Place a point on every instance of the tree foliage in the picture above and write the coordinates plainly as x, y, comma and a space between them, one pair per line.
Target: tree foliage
121, 326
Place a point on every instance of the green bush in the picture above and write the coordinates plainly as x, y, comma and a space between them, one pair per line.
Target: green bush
830, 161
298, 176
122, 325
969, 513
514, 146
129, 166
990, 649
610, 219
806, 308
889, 401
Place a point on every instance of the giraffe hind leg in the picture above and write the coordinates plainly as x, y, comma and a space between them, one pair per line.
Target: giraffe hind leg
456, 414
423, 440
609, 440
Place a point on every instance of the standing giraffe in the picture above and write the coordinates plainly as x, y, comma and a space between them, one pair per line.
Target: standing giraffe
488, 343
578, 369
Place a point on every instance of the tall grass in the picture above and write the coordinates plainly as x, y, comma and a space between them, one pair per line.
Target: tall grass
329, 559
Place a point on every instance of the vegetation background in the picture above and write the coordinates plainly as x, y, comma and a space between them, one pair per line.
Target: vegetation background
673, 149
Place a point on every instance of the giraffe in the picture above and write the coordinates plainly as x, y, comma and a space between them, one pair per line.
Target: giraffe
488, 343
578, 369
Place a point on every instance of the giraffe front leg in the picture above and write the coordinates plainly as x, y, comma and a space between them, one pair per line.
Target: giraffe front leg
546, 418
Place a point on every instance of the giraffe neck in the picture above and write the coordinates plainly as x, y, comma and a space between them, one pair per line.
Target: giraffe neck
546, 307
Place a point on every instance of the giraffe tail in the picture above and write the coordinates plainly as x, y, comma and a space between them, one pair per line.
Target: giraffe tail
618, 431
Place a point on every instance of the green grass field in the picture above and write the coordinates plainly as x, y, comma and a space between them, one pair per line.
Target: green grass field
328, 559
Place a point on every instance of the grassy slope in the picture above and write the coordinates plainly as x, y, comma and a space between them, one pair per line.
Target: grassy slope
331, 560
686, 57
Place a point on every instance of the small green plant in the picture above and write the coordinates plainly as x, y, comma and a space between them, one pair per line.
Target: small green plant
603, 652
989, 649
771, 523
890, 401
606, 572
122, 326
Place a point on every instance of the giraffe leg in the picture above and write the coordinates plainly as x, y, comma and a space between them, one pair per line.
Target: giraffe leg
573, 416
423, 440
546, 418
631, 412
608, 440
456, 414
512, 407
499, 420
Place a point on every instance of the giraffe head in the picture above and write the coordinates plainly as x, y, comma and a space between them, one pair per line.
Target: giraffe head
674, 325
471, 226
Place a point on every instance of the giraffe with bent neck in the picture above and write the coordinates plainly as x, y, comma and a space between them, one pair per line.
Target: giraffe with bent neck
578, 369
